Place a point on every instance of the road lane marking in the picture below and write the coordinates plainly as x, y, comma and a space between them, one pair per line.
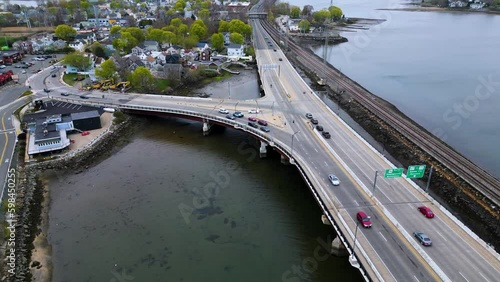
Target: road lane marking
483, 276
316, 150
463, 276
416, 279
356, 202
441, 235
6, 160
382, 236
326, 163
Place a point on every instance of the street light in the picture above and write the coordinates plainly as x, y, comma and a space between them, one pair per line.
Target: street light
293, 135
235, 106
352, 259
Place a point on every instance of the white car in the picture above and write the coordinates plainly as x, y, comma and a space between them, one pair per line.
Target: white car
334, 180
2, 66
24, 71
253, 111
223, 111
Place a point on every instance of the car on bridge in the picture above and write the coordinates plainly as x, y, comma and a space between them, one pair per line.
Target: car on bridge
84, 97
426, 211
423, 238
364, 219
253, 111
238, 114
262, 122
54, 75
309, 116
231, 117
265, 128
252, 119
253, 124
64, 94
46, 90
223, 111
314, 121
319, 128
334, 179
326, 134
280, 59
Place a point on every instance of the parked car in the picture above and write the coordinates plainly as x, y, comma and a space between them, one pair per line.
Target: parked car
334, 179
314, 121
326, 134
426, 211
253, 124
309, 116
423, 238
364, 219
252, 119
85, 133
223, 111
262, 122
238, 114
265, 129
319, 128
231, 117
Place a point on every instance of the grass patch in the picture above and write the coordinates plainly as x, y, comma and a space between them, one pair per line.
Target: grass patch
26, 93
119, 117
68, 78
162, 84
216, 78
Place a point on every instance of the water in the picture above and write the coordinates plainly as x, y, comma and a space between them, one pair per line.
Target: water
139, 215
432, 66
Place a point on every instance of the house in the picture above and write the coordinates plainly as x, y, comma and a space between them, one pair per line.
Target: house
457, 4
200, 46
172, 59
226, 35
174, 49
132, 62
78, 45
59, 44
477, 5
235, 50
151, 45
205, 55
137, 51
87, 37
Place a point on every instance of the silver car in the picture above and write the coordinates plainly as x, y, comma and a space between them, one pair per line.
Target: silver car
334, 180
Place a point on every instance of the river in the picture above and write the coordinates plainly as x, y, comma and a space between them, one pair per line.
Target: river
439, 68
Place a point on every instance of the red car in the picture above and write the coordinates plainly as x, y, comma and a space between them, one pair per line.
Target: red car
252, 119
262, 122
426, 211
364, 219
85, 133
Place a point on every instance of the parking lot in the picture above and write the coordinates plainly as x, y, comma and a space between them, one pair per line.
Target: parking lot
25, 73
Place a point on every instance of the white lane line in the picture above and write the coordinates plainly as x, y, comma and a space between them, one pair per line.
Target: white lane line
356, 203
316, 150
483, 277
416, 279
463, 276
6, 160
326, 163
441, 235
382, 236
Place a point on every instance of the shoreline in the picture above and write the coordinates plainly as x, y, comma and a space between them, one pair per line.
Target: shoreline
442, 10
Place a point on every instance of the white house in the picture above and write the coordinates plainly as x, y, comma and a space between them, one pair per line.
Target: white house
77, 45
235, 50
151, 45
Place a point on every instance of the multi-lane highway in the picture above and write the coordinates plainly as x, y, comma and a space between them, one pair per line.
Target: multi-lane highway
387, 251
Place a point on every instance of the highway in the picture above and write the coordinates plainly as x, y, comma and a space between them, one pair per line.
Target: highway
387, 251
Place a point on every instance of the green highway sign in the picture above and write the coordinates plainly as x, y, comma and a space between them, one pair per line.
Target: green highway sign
393, 173
415, 171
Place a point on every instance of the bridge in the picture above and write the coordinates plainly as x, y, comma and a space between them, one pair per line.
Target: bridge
257, 15
387, 251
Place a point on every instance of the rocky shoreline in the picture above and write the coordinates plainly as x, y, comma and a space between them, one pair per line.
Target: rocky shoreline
33, 202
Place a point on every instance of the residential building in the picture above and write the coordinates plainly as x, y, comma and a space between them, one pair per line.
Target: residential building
151, 45
235, 50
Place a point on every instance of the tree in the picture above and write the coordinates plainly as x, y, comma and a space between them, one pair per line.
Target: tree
283, 8
204, 15
97, 49
218, 41
157, 35
107, 70
320, 16
295, 13
125, 43
115, 5
77, 60
65, 32
115, 30
307, 11
169, 37
304, 25
223, 26
335, 12
198, 29
176, 22
236, 38
142, 79
137, 33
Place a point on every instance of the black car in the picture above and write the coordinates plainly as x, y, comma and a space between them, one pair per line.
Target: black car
53, 75
231, 117
84, 97
309, 116
46, 90
280, 59
238, 114
253, 124
319, 128
64, 94
326, 134
265, 128
314, 121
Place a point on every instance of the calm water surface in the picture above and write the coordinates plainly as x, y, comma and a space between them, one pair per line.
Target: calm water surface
140, 214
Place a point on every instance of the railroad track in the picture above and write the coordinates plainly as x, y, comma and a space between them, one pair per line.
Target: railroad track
478, 178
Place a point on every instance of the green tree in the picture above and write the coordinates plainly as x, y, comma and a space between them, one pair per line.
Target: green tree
307, 11
223, 26
97, 49
157, 35
85, 5
169, 37
176, 22
182, 30
142, 79
335, 12
107, 70
115, 5
217, 41
115, 29
125, 43
137, 33
179, 5
198, 29
320, 16
77, 60
283, 8
236, 26
65, 32
236, 38
206, 5
204, 15
295, 13
304, 25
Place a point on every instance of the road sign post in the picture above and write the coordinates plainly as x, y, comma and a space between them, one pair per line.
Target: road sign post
393, 173
415, 171
375, 182
428, 180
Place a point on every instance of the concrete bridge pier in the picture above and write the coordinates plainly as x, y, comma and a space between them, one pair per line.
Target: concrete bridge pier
338, 249
285, 160
207, 127
263, 149
325, 220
